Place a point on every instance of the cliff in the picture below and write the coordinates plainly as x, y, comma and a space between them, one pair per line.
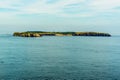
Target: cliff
41, 33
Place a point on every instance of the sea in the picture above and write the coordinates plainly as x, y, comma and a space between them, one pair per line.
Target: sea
59, 58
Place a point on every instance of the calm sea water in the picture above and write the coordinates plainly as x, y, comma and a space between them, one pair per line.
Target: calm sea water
59, 58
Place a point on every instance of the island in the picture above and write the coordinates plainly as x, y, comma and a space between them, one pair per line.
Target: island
43, 33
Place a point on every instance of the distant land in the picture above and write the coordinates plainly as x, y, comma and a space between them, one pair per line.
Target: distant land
43, 33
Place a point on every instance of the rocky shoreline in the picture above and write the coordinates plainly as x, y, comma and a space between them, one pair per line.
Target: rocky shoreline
41, 33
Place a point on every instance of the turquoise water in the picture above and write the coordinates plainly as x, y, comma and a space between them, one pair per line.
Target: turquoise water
59, 58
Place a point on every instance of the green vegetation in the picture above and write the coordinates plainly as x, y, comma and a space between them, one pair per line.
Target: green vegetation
42, 33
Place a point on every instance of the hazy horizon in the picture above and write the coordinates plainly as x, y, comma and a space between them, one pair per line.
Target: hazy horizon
60, 15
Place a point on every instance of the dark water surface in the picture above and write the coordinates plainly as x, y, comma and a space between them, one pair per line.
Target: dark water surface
59, 58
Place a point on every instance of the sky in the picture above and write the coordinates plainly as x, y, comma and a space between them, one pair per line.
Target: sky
60, 15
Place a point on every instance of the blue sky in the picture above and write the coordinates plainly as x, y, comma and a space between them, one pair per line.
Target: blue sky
60, 15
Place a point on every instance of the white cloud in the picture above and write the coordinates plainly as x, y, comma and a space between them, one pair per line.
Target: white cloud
43, 7
94, 7
104, 5
9, 3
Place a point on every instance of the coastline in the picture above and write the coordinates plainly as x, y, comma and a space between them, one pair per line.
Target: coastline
42, 33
